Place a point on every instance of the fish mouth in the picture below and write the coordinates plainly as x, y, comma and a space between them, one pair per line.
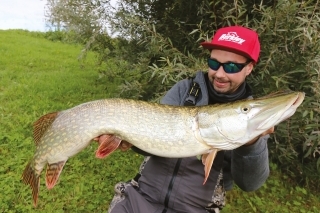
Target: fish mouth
281, 109
295, 103
299, 99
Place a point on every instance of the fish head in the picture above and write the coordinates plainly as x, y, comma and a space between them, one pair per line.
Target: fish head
272, 110
228, 126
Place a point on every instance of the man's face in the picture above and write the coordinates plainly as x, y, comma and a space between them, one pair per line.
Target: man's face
224, 82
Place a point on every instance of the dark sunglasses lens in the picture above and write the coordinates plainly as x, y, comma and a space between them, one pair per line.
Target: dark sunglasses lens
232, 68
213, 64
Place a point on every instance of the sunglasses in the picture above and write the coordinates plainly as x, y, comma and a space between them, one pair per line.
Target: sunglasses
228, 67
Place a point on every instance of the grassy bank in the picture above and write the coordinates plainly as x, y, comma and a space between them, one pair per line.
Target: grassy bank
37, 77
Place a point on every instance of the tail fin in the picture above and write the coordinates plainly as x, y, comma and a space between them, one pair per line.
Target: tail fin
29, 177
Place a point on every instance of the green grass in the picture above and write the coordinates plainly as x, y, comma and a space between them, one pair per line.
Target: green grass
278, 195
38, 76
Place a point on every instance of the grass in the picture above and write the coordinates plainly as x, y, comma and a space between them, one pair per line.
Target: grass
38, 76
278, 195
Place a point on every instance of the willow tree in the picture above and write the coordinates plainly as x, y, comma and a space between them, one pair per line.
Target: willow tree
158, 43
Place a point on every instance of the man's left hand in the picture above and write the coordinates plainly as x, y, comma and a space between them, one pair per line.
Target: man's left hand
269, 131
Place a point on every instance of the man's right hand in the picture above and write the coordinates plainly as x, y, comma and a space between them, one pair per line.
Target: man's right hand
124, 145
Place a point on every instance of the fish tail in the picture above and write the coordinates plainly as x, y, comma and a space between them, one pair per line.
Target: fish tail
30, 177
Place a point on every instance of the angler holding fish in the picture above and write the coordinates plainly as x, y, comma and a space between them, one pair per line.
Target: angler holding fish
206, 134
176, 184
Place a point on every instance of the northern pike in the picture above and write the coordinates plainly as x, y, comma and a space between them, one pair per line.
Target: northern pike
162, 130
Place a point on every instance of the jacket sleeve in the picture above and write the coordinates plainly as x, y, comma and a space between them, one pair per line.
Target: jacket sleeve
250, 165
177, 94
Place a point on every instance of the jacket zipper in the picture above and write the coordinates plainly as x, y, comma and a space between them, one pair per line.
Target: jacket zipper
174, 175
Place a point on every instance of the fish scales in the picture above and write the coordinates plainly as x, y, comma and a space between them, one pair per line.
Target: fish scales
138, 122
163, 130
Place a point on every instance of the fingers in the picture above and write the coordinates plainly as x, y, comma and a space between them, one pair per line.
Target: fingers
124, 146
102, 138
269, 131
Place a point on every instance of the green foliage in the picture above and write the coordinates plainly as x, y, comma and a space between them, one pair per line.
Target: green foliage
37, 77
276, 196
289, 32
158, 41
172, 19
63, 36
158, 44
290, 39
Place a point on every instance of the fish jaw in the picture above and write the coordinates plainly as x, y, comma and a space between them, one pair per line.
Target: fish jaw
229, 126
272, 111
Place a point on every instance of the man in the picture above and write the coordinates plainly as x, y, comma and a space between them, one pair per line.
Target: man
168, 185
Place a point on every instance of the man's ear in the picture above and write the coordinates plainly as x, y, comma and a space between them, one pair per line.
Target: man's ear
249, 68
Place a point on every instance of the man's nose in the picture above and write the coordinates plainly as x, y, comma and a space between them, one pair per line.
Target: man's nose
220, 72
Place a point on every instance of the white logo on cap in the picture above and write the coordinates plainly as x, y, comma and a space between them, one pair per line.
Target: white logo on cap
231, 36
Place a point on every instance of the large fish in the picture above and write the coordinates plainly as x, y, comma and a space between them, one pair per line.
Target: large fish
163, 130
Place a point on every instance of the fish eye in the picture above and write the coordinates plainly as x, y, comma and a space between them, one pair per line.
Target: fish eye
245, 109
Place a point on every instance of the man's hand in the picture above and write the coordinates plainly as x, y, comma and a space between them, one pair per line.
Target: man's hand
269, 131
124, 145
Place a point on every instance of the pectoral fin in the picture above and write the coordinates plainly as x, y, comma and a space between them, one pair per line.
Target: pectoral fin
207, 161
107, 146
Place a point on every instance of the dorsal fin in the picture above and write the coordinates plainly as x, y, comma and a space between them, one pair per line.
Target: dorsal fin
41, 125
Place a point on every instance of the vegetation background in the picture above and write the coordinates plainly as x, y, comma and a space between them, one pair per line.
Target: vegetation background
155, 44
38, 76
158, 41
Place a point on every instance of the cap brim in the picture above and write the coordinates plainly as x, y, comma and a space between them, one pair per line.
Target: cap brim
210, 46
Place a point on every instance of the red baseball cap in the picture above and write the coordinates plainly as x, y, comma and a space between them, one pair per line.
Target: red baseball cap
241, 40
